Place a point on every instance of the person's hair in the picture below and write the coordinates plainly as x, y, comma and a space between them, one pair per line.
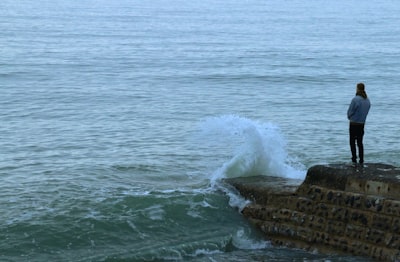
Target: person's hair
361, 90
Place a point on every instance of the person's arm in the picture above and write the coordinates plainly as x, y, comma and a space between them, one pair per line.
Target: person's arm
352, 109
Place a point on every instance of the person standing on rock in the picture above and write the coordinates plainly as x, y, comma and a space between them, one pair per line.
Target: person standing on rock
357, 114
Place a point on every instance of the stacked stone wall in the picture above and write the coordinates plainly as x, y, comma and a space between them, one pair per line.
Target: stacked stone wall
361, 216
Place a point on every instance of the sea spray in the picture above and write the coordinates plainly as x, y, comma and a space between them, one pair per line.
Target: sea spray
251, 148
243, 239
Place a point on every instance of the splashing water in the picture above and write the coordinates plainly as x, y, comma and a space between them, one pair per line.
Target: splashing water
256, 148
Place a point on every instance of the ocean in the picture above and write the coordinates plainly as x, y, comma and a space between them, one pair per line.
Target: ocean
120, 119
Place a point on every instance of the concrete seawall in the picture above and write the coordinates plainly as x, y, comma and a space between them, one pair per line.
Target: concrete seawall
336, 209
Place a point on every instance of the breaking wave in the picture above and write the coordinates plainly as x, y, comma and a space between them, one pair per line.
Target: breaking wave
248, 147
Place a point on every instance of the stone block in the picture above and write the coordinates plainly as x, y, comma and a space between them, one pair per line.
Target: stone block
298, 218
315, 222
339, 243
303, 189
355, 185
305, 234
264, 213
335, 197
355, 232
360, 218
316, 193
250, 211
383, 254
395, 225
273, 229
377, 237
335, 227
374, 203
393, 241
269, 228
292, 202
354, 200
344, 244
327, 177
321, 210
288, 230
358, 248
339, 213
258, 212
283, 214
322, 237
273, 214
381, 222
304, 205
376, 188
394, 189
391, 207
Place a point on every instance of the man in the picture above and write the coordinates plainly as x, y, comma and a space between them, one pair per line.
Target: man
357, 114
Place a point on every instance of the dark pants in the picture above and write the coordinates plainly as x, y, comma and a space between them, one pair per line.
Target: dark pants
356, 134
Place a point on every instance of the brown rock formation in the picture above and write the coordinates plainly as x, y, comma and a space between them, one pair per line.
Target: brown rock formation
337, 209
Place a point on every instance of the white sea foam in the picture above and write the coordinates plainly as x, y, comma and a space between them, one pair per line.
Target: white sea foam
155, 212
244, 241
256, 148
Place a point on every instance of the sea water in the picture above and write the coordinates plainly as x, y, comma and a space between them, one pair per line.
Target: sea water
119, 119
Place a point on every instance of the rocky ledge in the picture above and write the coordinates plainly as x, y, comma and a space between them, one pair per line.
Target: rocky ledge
336, 209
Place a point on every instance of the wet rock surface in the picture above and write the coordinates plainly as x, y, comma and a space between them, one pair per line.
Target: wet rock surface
338, 208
